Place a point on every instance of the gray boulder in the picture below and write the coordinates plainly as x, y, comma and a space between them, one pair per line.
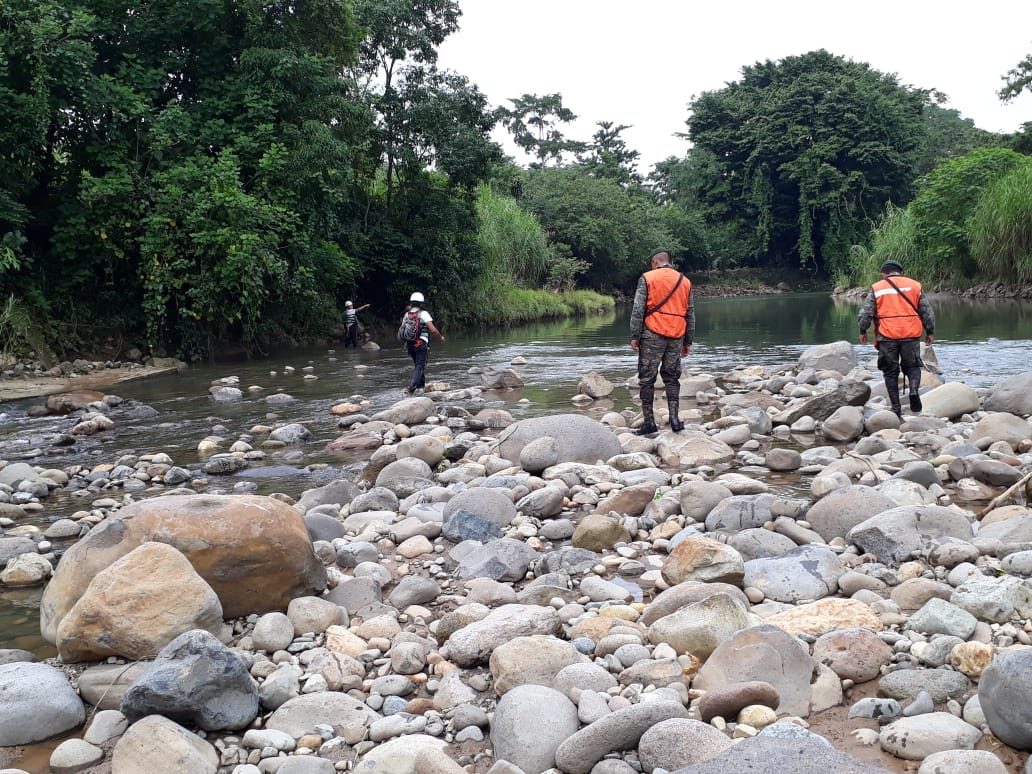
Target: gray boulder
198, 680
530, 722
579, 438
837, 513
836, 356
823, 405
806, 573
1003, 692
769, 753
37, 703
1013, 395
894, 535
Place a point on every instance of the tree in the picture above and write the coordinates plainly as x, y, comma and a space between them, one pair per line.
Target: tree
608, 155
610, 228
807, 149
532, 123
1017, 80
948, 135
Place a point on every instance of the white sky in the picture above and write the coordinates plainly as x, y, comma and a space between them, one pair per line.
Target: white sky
639, 62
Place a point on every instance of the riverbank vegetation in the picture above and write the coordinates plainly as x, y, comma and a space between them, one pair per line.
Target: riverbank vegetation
188, 176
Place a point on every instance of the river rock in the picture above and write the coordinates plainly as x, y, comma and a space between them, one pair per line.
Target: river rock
806, 573
474, 642
404, 755
544, 503
487, 503
962, 762
906, 684
37, 703
1002, 426
847, 393
937, 616
678, 742
916, 738
301, 715
689, 592
10, 547
727, 701
578, 437
836, 356
1003, 692
505, 559
600, 532
217, 534
854, 654
740, 512
692, 449
424, 447
620, 730
894, 535
405, 477
749, 655
950, 400
700, 627
846, 423
410, 411
702, 559
826, 615
1013, 395
530, 722
594, 385
994, 599
337, 493
137, 605
157, 744
835, 514
104, 685
195, 679
803, 754
699, 497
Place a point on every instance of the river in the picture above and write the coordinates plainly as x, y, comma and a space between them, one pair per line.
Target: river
979, 342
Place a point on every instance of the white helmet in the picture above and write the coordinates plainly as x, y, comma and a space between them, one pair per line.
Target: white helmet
348, 303
417, 297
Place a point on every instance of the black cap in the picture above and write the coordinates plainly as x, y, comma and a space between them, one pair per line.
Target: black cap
658, 251
890, 266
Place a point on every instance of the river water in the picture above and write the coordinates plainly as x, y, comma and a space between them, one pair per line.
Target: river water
979, 342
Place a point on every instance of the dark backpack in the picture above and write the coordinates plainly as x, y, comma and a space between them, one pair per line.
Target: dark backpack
409, 328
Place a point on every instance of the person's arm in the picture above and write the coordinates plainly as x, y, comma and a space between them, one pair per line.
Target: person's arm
867, 312
641, 295
924, 311
434, 332
363, 307
689, 327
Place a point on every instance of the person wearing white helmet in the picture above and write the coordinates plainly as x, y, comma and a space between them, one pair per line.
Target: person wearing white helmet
351, 323
417, 326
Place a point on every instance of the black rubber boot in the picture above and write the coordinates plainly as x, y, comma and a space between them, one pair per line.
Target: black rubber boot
675, 421
648, 425
914, 381
897, 407
915, 402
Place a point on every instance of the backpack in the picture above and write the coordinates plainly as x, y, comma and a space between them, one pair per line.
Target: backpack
409, 328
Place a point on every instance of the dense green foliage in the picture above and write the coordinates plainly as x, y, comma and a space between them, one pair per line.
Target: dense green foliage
971, 220
194, 174
796, 153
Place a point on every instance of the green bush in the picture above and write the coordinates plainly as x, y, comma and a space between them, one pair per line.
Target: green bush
1001, 226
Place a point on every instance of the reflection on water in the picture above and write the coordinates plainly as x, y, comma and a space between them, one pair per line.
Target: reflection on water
759, 330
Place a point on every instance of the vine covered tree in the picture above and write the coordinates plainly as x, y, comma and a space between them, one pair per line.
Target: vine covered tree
807, 150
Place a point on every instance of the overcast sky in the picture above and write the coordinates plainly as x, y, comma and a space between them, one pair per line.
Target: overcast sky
639, 62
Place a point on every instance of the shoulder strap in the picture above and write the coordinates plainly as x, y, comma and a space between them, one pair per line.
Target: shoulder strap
661, 304
904, 295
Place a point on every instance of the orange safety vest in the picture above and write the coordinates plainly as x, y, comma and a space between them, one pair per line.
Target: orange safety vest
895, 318
669, 318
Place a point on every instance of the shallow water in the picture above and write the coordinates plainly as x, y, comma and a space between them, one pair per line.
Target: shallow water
979, 342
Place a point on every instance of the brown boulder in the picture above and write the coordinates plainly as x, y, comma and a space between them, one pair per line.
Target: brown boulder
67, 402
252, 550
137, 605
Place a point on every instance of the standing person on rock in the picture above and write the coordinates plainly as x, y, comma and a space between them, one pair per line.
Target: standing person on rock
662, 330
351, 323
901, 313
417, 326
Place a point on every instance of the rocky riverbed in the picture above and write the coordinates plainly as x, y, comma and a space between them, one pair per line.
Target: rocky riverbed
798, 581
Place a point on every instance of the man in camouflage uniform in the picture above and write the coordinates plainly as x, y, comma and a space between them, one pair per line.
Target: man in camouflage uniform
662, 330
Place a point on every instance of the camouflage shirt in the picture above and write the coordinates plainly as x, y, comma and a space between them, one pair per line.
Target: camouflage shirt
869, 311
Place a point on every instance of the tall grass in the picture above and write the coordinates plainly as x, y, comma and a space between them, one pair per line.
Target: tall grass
511, 240
893, 239
512, 306
1000, 227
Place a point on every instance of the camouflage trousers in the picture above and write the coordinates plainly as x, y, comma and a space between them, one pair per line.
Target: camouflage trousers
900, 354
658, 354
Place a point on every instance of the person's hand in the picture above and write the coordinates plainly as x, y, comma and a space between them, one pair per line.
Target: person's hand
929, 339
686, 349
634, 344
863, 338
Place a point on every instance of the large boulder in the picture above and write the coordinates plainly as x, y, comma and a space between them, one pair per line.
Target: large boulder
1013, 395
836, 356
579, 438
822, 406
691, 449
410, 411
1003, 692
895, 534
198, 680
252, 550
138, 605
159, 745
1002, 426
530, 722
950, 400
36, 703
834, 515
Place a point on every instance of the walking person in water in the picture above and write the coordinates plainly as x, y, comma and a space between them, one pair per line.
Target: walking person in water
351, 323
417, 326
662, 330
901, 313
